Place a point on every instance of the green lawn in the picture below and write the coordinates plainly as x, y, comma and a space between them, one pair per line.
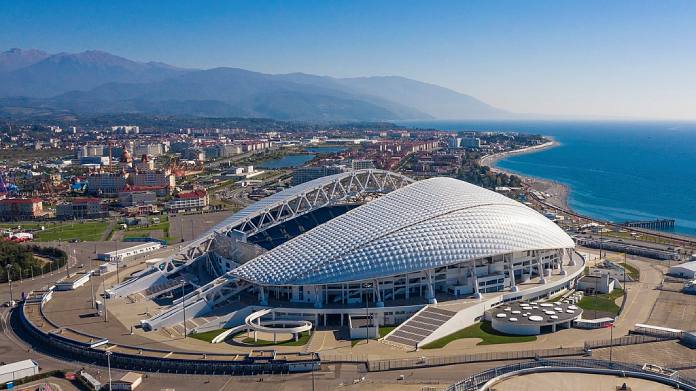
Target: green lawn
85, 231
304, 338
632, 271
482, 330
24, 225
384, 330
207, 336
144, 231
604, 303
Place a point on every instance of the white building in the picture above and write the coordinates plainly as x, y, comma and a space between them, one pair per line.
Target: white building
129, 381
684, 270
18, 370
193, 200
326, 249
73, 282
126, 129
123, 253
150, 149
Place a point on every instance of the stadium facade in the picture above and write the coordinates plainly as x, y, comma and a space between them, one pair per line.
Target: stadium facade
367, 240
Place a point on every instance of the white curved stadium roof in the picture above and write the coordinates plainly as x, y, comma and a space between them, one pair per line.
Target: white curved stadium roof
427, 224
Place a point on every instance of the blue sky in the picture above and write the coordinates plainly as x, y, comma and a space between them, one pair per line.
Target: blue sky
584, 58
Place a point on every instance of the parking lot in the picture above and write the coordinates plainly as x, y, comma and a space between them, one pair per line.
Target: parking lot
674, 310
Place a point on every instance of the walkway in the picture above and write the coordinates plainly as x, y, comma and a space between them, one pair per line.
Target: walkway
420, 326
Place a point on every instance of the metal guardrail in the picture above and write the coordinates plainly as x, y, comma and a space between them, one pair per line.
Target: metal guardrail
627, 340
60, 345
479, 380
421, 362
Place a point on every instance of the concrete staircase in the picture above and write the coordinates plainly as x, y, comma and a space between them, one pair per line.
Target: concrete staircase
419, 326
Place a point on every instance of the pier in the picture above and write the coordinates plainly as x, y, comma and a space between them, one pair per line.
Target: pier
659, 224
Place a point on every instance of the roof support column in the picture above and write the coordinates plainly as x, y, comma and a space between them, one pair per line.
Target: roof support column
430, 292
474, 279
571, 259
318, 297
378, 294
511, 270
263, 298
563, 272
540, 267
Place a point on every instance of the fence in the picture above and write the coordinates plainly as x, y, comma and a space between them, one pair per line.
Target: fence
627, 340
57, 345
420, 362
477, 381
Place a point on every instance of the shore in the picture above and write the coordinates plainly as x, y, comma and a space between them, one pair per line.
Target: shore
557, 192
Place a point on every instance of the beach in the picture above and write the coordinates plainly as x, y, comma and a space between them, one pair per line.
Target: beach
558, 192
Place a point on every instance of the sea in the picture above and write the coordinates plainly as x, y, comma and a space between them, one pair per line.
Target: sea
615, 170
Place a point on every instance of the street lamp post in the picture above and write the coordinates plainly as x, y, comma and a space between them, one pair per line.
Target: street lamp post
367, 314
108, 363
183, 304
106, 313
91, 282
9, 281
118, 260
611, 345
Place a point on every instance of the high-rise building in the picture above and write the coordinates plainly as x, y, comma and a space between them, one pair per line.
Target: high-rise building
306, 174
362, 164
82, 208
471, 142
106, 183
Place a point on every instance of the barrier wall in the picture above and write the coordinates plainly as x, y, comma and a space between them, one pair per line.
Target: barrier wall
154, 360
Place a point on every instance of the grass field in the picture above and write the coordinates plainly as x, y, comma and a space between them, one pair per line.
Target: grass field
604, 303
304, 338
485, 332
384, 330
27, 225
144, 231
84, 231
632, 271
208, 335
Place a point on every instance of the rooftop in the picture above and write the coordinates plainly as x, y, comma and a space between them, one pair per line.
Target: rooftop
427, 224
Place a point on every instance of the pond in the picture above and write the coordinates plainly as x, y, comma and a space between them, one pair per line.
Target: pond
288, 161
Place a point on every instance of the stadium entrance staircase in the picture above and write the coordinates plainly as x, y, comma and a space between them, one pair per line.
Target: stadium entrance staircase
419, 326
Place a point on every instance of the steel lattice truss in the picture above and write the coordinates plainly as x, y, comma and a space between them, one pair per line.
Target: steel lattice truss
289, 204
273, 210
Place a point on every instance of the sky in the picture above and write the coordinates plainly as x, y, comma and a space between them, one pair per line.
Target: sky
633, 59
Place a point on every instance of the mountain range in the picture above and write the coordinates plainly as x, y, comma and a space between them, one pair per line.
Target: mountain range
96, 82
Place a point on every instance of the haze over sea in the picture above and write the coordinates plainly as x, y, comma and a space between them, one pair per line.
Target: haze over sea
615, 170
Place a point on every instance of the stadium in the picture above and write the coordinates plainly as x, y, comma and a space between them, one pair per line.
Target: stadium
432, 256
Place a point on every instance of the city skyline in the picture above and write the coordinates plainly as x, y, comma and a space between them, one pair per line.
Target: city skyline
581, 60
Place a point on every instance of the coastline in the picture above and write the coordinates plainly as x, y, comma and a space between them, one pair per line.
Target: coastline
557, 192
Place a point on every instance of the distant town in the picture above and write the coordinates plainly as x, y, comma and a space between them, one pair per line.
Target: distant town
368, 253
137, 175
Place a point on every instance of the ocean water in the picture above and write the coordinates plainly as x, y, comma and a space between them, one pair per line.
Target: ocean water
615, 170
